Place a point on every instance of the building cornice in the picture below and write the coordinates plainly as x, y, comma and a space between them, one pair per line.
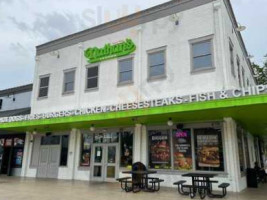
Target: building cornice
16, 90
129, 21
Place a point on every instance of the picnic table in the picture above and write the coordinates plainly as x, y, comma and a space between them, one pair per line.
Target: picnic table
201, 183
139, 179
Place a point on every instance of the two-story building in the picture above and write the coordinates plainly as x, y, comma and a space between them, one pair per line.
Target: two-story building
13, 102
171, 86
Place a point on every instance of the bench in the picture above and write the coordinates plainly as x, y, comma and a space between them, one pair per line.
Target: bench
124, 183
180, 185
224, 187
156, 184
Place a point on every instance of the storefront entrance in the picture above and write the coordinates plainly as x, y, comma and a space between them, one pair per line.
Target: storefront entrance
11, 154
49, 157
105, 162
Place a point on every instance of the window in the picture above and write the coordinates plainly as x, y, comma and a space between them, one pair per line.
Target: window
111, 137
50, 140
241, 149
44, 84
182, 149
64, 150
156, 64
248, 84
239, 71
231, 47
126, 149
209, 150
243, 77
1, 103
202, 55
92, 77
126, 70
159, 149
199, 149
69, 81
86, 150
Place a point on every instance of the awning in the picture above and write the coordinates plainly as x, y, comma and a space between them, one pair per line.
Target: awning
250, 112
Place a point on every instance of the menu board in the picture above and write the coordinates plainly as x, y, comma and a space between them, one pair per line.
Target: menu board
17, 157
18, 142
208, 151
182, 149
86, 150
159, 149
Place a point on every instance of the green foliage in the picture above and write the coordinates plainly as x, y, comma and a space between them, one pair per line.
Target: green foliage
261, 73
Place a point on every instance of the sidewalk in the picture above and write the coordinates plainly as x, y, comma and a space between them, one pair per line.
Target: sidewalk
12, 188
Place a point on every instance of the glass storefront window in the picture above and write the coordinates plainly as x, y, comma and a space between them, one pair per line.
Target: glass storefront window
240, 149
86, 150
159, 149
182, 149
64, 150
208, 150
126, 149
111, 137
50, 140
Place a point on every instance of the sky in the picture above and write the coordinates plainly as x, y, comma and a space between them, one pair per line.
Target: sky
24, 24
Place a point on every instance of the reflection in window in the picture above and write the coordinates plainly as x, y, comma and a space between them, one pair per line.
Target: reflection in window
159, 149
202, 55
209, 150
156, 62
64, 150
86, 150
126, 149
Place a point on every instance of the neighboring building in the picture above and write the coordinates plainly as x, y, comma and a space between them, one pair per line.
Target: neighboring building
123, 92
13, 102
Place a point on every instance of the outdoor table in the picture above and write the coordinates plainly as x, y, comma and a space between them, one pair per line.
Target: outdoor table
201, 182
143, 174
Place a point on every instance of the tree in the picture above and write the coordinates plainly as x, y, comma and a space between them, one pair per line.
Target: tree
260, 73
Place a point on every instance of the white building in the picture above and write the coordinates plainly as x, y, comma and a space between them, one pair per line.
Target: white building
102, 98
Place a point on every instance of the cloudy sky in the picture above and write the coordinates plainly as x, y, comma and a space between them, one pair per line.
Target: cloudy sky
25, 24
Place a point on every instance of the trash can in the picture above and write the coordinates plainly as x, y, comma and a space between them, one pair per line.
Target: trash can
252, 181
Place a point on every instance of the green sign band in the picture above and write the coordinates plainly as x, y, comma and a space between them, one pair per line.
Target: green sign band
110, 51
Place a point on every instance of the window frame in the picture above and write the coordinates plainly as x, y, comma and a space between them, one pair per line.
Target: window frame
120, 83
154, 51
39, 86
64, 92
192, 42
86, 78
1, 103
232, 58
192, 128
239, 71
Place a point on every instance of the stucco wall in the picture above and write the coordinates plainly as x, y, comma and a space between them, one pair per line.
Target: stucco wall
16, 101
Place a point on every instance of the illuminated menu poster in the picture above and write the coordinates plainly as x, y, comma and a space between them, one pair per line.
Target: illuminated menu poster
86, 150
17, 157
182, 149
159, 149
208, 143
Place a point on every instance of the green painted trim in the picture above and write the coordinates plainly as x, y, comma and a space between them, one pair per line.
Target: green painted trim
207, 106
110, 51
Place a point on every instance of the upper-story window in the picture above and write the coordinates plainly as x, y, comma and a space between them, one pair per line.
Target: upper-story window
238, 71
157, 63
231, 48
1, 104
125, 71
92, 78
202, 55
69, 78
243, 77
44, 85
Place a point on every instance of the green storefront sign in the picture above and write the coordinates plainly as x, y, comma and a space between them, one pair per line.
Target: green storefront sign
110, 51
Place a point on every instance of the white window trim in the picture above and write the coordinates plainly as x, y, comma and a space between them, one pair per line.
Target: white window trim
74, 80
153, 51
201, 40
86, 77
38, 94
122, 83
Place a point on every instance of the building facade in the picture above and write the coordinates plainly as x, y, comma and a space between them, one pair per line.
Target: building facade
13, 101
148, 87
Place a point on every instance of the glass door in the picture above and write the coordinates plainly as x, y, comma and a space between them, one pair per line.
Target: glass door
97, 163
105, 162
111, 162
